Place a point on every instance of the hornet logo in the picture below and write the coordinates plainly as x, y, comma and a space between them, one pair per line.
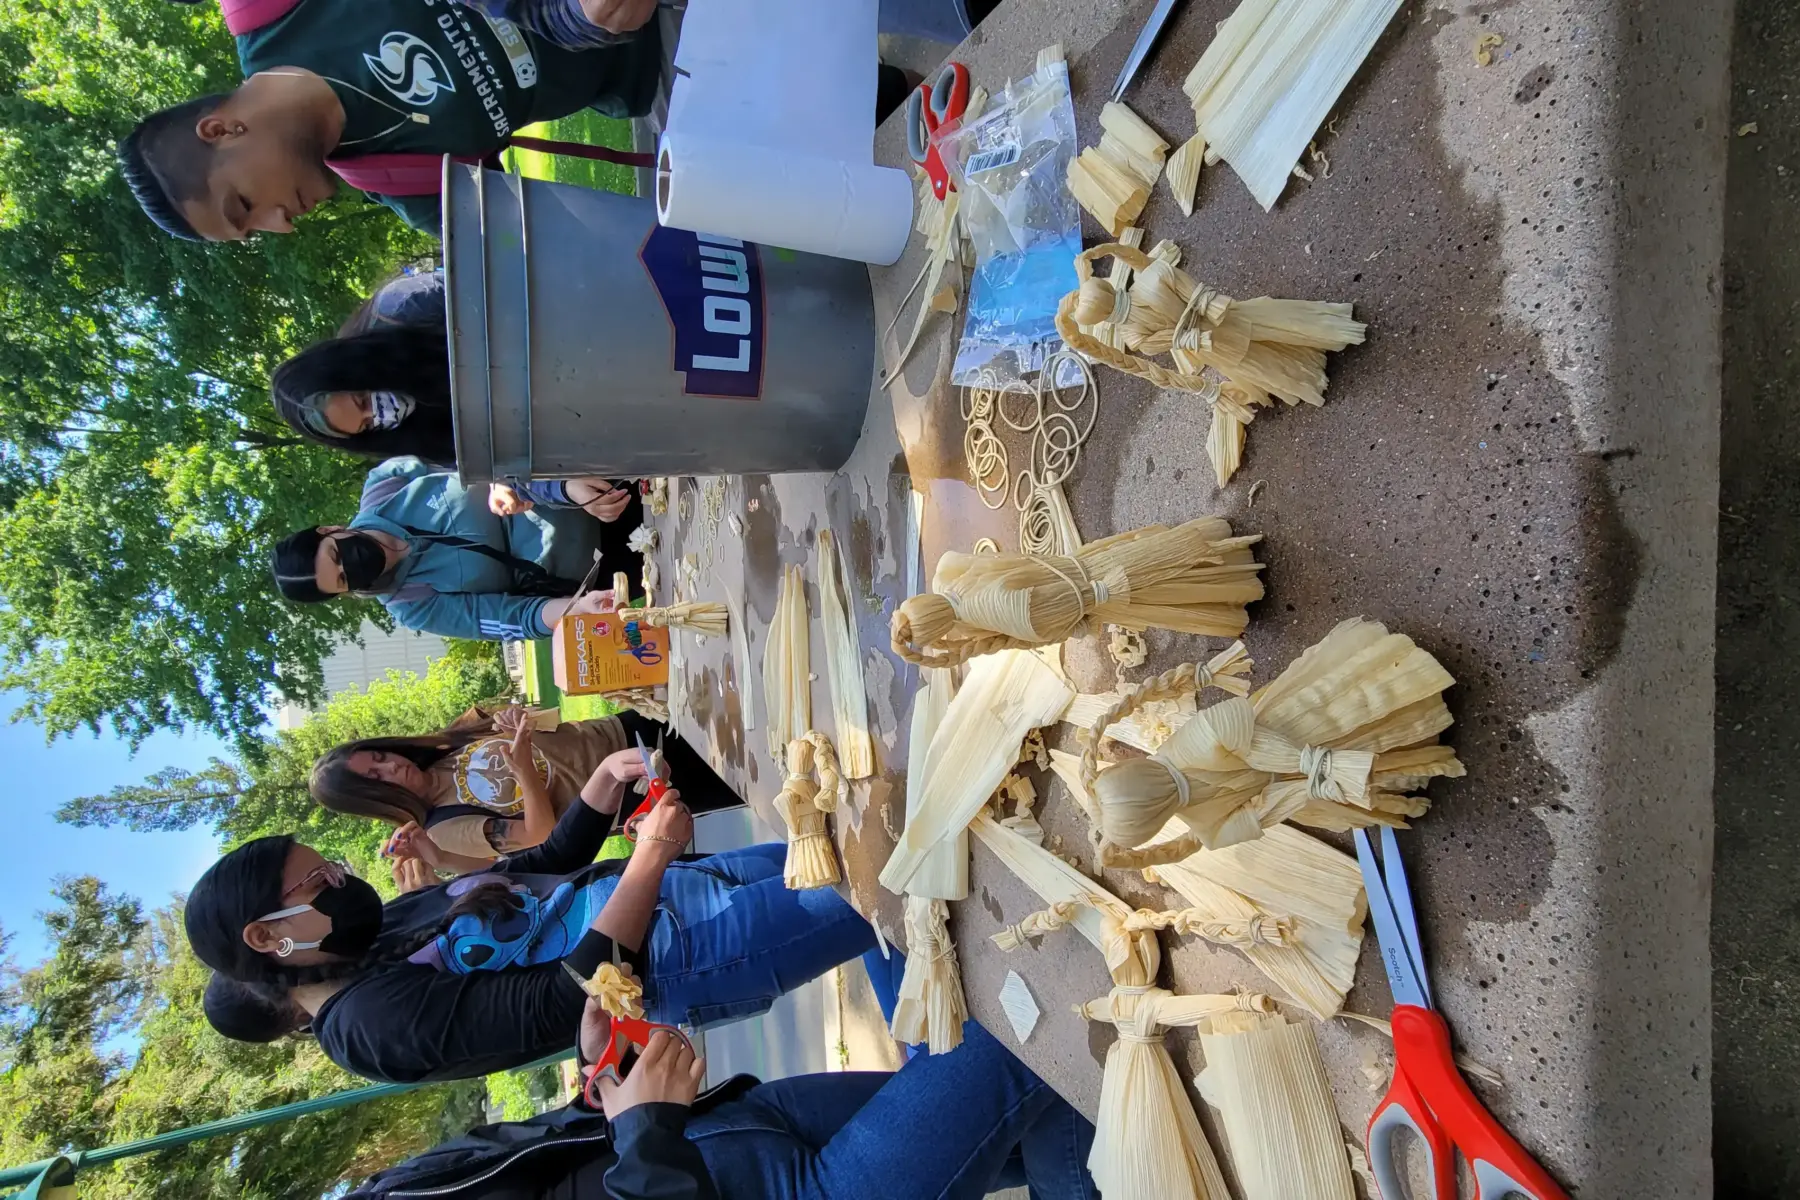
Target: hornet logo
410, 69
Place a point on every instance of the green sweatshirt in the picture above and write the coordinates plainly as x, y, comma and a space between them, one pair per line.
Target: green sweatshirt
434, 77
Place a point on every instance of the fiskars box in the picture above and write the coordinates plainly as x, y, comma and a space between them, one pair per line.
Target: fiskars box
592, 654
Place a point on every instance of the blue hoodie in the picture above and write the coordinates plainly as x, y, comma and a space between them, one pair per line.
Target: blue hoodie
463, 593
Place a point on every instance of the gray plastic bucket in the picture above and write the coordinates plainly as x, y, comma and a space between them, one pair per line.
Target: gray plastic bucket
585, 339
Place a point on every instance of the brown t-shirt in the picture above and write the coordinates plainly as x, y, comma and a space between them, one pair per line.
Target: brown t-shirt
564, 757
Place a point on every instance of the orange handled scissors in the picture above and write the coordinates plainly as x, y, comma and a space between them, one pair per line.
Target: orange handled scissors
634, 1032
1428, 1094
658, 789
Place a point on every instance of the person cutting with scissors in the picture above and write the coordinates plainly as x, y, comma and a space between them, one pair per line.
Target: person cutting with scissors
1428, 1094
466, 978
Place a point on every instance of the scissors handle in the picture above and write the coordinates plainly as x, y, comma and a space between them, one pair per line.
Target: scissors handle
1430, 1096
634, 1031
658, 789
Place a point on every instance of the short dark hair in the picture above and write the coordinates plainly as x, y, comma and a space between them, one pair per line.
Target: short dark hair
166, 164
296, 562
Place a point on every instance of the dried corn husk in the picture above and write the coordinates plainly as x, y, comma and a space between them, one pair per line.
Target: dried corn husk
1184, 172
1129, 142
1272, 72
787, 666
618, 991
1264, 1076
803, 805
1004, 696
930, 1007
708, 618
943, 872
1313, 892
1112, 194
1239, 353
1337, 741
1194, 578
1164, 703
1148, 1144
740, 658
1105, 330
843, 667
1020, 1006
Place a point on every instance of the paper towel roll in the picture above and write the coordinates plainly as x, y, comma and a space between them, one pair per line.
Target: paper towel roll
711, 184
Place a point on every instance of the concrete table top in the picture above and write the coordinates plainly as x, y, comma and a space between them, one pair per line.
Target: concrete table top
1518, 470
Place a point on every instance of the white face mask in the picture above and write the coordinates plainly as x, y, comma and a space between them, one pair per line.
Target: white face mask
388, 409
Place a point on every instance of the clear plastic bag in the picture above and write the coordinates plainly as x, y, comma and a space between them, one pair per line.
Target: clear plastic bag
1010, 167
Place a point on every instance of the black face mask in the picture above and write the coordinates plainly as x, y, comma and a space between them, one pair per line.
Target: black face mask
362, 558
355, 912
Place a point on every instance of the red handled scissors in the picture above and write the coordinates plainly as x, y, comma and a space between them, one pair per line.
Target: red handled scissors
657, 789
626, 1031
933, 105
1428, 1094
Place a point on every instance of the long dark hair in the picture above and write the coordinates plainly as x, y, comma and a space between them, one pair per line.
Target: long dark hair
411, 359
248, 1012
245, 885
336, 787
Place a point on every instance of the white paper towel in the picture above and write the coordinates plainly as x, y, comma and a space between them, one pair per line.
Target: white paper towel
771, 130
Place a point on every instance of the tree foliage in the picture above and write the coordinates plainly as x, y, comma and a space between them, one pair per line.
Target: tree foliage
115, 975
143, 473
266, 791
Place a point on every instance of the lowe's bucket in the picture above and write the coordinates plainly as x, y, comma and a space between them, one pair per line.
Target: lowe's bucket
586, 339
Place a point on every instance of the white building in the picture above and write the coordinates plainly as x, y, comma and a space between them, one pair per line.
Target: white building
361, 663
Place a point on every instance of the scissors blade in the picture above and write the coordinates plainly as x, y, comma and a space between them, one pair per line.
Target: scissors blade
1400, 893
1403, 981
1159, 18
644, 757
580, 980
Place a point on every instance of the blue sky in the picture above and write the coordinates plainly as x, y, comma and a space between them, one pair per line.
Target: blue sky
148, 866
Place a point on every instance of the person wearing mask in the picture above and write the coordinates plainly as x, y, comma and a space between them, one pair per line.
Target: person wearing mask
953, 1126
377, 91
441, 561
380, 389
465, 978
492, 785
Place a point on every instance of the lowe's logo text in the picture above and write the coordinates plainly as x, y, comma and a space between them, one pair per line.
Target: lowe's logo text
712, 291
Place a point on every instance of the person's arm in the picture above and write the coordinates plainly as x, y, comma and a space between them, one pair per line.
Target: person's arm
411, 841
583, 827
477, 616
555, 610
647, 1115
537, 816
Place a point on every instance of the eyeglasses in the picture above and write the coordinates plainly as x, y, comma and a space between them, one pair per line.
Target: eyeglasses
326, 874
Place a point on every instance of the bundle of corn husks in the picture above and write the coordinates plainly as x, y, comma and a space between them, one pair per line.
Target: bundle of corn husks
1342, 739
1238, 354
1193, 578
804, 805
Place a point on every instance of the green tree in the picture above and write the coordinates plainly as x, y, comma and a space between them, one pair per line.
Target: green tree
143, 473
63, 1089
266, 792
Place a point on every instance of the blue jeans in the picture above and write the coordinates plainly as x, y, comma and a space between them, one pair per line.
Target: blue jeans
943, 1127
729, 937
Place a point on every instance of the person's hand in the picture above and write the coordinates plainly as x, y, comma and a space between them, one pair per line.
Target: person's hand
666, 829
667, 1072
595, 602
618, 16
606, 786
600, 498
596, 1031
412, 875
503, 501
515, 724
410, 841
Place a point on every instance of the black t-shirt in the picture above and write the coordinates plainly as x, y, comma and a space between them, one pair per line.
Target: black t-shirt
434, 77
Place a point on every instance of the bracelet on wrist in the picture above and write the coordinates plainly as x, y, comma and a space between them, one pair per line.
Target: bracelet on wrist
657, 837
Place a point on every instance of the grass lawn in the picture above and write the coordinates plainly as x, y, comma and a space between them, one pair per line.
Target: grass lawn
589, 128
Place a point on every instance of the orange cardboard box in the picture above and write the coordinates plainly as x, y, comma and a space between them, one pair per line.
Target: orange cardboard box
592, 655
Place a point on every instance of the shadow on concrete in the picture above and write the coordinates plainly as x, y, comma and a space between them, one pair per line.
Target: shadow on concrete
1756, 900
